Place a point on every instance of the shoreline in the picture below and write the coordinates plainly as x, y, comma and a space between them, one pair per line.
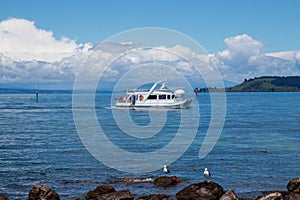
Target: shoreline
163, 186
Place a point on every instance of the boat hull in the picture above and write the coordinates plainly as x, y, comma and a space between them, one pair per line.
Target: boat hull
175, 105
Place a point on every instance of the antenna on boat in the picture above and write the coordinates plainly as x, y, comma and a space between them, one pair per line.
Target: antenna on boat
163, 80
162, 74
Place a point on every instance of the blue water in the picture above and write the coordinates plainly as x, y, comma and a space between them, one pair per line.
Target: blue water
259, 148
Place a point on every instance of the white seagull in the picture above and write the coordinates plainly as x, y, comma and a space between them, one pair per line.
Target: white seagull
166, 170
206, 173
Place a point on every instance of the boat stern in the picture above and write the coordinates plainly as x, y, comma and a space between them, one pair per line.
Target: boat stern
187, 103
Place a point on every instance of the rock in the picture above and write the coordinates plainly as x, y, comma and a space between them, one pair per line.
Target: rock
229, 195
3, 197
118, 195
294, 196
155, 197
99, 191
272, 196
204, 190
294, 185
166, 181
42, 192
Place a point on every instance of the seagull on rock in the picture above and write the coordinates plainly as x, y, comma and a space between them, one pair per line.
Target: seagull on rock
166, 169
206, 174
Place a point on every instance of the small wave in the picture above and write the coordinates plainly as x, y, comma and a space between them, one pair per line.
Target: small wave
153, 108
120, 108
110, 107
136, 180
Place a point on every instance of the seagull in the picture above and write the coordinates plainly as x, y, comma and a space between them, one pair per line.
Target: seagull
166, 170
206, 173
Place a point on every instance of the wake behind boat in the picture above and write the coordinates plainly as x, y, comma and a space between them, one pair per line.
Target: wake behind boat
158, 96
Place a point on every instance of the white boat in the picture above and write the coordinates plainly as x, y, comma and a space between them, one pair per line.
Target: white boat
158, 96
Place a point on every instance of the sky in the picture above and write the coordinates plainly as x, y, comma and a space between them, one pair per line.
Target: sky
49, 39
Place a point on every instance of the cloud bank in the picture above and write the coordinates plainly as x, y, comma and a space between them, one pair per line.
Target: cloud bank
245, 58
29, 54
21, 40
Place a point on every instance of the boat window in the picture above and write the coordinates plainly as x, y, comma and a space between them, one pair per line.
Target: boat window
168, 96
173, 96
152, 97
162, 96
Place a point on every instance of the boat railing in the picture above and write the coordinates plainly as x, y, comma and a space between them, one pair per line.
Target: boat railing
137, 90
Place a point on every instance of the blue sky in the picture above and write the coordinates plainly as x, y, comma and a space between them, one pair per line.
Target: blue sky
49, 39
209, 22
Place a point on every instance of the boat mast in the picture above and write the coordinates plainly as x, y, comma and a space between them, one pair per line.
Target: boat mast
163, 81
152, 89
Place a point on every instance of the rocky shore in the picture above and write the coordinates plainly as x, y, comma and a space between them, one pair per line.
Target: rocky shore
207, 190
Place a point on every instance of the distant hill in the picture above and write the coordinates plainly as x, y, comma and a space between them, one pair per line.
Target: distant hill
268, 84
32, 91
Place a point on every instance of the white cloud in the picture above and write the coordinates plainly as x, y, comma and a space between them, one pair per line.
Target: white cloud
242, 50
21, 40
173, 57
29, 54
286, 55
36, 71
245, 58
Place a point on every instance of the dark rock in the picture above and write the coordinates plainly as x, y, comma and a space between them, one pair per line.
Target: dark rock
294, 196
42, 192
294, 185
118, 195
3, 197
99, 191
155, 197
272, 196
204, 190
166, 181
229, 195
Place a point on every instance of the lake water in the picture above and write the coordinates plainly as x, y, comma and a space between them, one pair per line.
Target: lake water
259, 148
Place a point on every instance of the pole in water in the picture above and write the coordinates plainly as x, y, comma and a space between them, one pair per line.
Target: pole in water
196, 92
36, 96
